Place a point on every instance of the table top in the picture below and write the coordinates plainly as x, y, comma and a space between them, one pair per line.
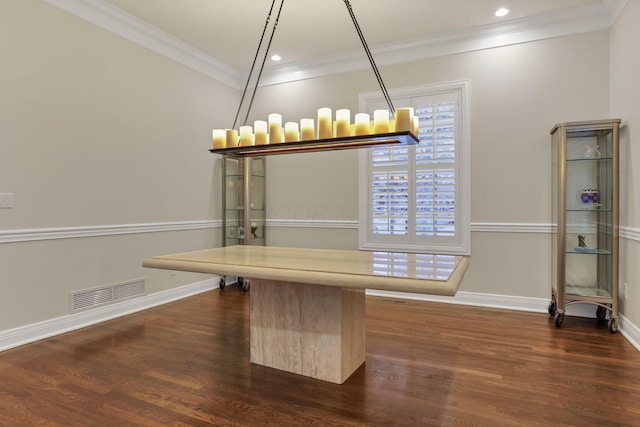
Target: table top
392, 271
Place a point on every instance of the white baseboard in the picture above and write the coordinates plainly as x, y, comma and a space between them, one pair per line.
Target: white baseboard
506, 302
630, 331
41, 330
538, 305
37, 331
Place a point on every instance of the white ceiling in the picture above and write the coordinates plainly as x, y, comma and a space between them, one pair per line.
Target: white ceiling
316, 37
230, 30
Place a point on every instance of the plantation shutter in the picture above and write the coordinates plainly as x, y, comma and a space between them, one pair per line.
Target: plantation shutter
390, 191
413, 200
435, 167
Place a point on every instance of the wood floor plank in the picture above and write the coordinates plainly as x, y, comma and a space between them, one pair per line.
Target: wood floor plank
427, 364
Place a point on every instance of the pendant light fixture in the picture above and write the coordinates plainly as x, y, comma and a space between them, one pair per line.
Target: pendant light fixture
326, 132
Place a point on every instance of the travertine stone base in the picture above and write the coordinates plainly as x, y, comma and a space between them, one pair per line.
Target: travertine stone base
312, 330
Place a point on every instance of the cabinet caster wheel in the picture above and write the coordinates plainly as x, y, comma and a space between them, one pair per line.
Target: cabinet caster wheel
559, 319
601, 313
552, 308
245, 286
222, 283
613, 325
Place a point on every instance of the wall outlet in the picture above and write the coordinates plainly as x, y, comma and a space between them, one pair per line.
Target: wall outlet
624, 290
6, 200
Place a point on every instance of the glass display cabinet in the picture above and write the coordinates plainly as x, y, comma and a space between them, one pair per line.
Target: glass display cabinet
585, 218
243, 203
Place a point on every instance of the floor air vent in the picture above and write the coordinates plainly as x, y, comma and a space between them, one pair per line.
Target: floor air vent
97, 297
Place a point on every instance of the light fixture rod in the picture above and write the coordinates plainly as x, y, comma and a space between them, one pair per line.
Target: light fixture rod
385, 93
255, 58
367, 51
264, 59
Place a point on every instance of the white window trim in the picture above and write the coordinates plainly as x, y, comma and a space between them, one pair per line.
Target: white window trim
463, 182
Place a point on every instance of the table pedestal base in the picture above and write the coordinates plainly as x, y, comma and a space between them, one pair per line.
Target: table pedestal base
312, 330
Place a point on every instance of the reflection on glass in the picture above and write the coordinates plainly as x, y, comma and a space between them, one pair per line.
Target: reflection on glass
419, 266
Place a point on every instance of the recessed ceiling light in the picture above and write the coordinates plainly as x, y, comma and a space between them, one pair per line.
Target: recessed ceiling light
503, 11
276, 57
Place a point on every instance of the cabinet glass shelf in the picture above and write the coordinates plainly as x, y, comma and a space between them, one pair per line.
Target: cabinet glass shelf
584, 159
241, 177
589, 210
590, 251
587, 291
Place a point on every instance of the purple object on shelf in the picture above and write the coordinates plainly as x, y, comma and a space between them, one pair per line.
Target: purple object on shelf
590, 196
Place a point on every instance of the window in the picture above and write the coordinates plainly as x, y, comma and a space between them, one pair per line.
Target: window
417, 198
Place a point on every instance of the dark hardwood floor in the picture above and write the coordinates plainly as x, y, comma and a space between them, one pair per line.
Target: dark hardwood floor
187, 364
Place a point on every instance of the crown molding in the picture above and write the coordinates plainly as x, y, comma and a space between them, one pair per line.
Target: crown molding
614, 8
594, 17
105, 15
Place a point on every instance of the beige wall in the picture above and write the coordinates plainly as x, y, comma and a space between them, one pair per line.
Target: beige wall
625, 97
95, 130
40, 276
517, 94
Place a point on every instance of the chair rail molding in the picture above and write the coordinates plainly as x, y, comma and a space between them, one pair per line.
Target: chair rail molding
35, 234
630, 233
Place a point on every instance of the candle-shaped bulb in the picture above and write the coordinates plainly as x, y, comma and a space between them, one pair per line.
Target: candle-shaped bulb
231, 137
325, 123
403, 119
291, 133
381, 121
246, 136
362, 124
276, 133
219, 138
415, 125
260, 129
307, 129
343, 122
